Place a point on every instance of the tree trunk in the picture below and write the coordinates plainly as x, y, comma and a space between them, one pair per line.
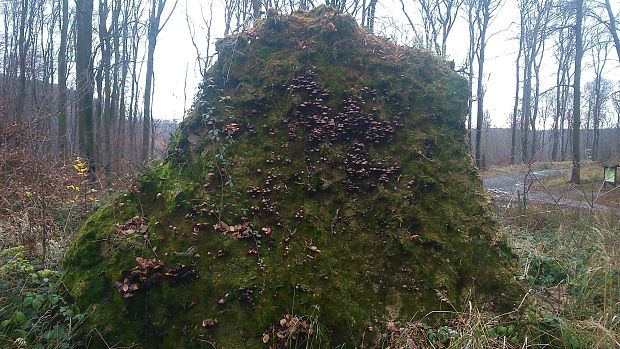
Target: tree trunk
470, 75
515, 110
526, 108
148, 87
23, 53
480, 91
62, 79
84, 79
596, 118
576, 171
106, 112
612, 27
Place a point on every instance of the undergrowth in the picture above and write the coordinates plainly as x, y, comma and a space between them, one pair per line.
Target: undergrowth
570, 259
43, 200
34, 313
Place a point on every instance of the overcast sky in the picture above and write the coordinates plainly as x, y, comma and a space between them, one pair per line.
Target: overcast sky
176, 57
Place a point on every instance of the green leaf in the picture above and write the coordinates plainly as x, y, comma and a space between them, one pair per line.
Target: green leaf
36, 303
27, 301
68, 313
19, 317
574, 342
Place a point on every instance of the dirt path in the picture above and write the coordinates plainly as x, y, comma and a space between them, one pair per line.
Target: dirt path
507, 189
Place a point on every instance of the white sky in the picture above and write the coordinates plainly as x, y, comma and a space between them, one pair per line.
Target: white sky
176, 57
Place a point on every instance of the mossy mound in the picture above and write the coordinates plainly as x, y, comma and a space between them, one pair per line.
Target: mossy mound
321, 188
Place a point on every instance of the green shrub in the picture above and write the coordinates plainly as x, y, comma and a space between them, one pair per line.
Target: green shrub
34, 313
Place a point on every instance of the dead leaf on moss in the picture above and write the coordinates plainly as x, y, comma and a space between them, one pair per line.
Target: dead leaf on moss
240, 231
290, 327
133, 225
314, 249
146, 274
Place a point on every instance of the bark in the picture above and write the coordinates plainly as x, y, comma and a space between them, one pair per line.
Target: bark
576, 170
483, 26
612, 27
470, 62
153, 29
515, 110
104, 85
62, 79
565, 45
23, 46
84, 79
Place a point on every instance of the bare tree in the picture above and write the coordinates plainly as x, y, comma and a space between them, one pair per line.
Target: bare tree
23, 47
84, 78
615, 99
576, 170
438, 18
601, 87
485, 10
62, 78
612, 26
535, 18
471, 56
203, 60
154, 28
564, 55
515, 110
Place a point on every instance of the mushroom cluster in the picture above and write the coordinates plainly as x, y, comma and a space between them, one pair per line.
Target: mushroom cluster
181, 272
246, 295
287, 330
148, 273
351, 124
322, 123
359, 167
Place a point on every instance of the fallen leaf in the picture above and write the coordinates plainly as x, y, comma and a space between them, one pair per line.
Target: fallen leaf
314, 249
209, 322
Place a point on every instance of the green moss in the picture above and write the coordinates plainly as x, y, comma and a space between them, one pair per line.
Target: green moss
346, 258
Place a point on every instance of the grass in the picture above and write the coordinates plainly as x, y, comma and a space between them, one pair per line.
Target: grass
569, 261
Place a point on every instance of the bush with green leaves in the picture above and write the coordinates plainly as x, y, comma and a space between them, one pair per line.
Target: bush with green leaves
33, 312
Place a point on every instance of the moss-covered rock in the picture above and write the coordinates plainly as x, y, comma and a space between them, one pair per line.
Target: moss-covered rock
321, 188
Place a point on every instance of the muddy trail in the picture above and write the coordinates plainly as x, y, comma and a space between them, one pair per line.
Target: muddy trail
508, 189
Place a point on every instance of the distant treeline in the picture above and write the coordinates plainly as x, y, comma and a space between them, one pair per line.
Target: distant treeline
497, 143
